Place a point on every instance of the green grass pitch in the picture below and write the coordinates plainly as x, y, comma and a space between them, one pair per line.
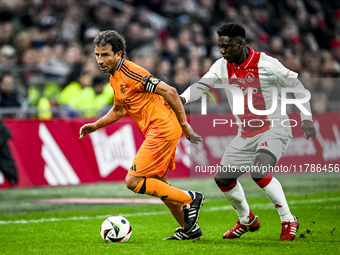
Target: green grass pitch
27, 227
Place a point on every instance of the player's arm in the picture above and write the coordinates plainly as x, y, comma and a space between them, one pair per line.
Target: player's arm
116, 113
288, 78
192, 93
196, 90
171, 97
307, 125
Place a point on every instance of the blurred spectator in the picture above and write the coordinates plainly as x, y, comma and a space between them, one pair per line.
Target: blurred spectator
7, 55
93, 100
185, 43
171, 49
50, 42
101, 15
164, 71
8, 94
319, 103
329, 87
206, 64
74, 87
44, 97
181, 80
7, 33
71, 24
308, 82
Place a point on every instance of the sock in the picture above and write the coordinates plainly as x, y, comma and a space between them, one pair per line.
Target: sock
235, 195
158, 188
176, 209
273, 189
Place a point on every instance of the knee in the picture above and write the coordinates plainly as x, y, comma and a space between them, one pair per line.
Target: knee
130, 183
261, 165
257, 176
224, 181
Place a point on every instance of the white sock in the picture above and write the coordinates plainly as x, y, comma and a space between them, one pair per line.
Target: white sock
276, 195
187, 193
238, 200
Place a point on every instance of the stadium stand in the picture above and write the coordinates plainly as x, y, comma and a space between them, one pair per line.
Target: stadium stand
47, 44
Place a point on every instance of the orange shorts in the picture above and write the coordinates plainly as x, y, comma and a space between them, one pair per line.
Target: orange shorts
154, 157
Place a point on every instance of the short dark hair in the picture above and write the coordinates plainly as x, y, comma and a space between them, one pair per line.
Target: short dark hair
111, 37
231, 29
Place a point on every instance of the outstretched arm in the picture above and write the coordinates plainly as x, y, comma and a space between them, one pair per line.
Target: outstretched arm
194, 91
171, 97
112, 116
307, 125
288, 78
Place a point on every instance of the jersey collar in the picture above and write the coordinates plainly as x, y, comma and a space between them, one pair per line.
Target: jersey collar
121, 63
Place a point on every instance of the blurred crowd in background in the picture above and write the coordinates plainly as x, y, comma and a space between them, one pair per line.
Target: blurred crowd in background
48, 67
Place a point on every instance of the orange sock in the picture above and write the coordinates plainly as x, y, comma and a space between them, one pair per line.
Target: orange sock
157, 188
176, 210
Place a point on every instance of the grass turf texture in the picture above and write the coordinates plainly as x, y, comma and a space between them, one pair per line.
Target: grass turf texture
33, 228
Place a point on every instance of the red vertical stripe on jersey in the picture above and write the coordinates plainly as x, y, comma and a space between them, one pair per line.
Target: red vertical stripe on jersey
246, 76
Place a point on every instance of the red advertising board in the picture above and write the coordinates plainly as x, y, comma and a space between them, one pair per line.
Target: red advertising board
50, 153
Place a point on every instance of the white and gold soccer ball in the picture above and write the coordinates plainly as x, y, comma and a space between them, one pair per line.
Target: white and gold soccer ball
116, 229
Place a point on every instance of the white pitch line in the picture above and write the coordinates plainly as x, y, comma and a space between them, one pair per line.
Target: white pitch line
211, 209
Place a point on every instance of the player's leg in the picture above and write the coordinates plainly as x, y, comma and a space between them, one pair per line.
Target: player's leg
270, 185
153, 159
174, 207
174, 199
264, 160
156, 188
235, 157
176, 211
233, 192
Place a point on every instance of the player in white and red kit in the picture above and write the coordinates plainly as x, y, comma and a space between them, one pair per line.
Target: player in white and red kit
260, 141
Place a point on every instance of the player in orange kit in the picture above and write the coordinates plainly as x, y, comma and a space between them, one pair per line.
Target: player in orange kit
159, 113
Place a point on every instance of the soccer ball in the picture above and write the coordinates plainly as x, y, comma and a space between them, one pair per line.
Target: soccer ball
116, 229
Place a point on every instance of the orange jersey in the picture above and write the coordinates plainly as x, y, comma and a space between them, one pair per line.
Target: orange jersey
134, 88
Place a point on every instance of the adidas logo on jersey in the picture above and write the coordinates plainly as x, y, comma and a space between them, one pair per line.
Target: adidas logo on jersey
234, 76
264, 144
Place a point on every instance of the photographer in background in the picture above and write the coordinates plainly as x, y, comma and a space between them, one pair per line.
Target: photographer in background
7, 164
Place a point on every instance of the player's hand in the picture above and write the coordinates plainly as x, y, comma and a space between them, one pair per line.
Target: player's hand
183, 100
308, 129
191, 135
86, 129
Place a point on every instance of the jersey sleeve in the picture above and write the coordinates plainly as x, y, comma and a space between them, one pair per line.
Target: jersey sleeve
288, 78
149, 83
274, 67
139, 79
196, 90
